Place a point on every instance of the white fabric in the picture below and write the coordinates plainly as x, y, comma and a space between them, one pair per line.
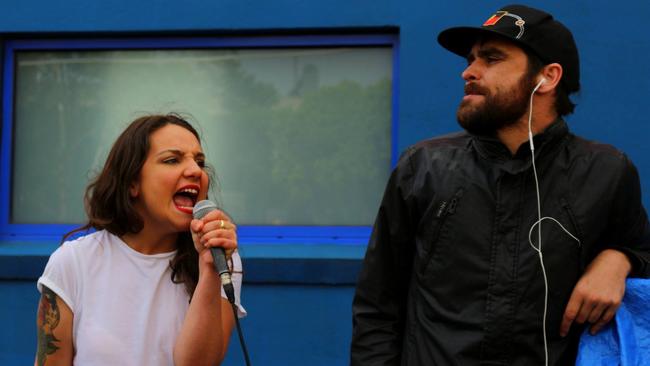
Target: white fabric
127, 311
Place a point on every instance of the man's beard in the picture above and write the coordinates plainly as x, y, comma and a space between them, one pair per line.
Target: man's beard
499, 110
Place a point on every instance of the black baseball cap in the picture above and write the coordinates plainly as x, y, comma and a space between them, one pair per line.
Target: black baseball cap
529, 28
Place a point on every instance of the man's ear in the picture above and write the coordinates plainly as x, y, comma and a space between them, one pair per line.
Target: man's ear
552, 74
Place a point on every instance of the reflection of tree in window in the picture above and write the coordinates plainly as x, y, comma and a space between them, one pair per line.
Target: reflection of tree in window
328, 150
307, 81
306, 162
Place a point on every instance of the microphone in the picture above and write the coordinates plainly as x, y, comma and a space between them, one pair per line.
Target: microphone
199, 211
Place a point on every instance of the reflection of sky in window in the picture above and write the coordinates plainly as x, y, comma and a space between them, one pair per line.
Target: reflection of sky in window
282, 68
285, 68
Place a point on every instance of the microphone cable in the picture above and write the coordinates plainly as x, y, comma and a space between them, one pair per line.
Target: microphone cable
231, 298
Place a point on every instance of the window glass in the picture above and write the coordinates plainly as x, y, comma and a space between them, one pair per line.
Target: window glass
297, 136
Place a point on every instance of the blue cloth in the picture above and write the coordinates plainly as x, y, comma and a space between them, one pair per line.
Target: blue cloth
626, 341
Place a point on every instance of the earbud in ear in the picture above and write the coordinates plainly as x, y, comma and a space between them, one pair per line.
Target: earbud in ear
541, 81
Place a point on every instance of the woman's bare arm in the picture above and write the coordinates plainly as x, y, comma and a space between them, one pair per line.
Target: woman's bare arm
54, 331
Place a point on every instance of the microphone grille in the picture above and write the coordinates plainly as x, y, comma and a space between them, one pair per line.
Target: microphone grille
202, 208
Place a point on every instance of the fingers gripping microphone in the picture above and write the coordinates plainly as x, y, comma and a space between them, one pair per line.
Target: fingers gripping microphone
201, 209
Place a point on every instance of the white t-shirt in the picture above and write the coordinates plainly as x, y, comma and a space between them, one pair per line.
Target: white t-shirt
127, 311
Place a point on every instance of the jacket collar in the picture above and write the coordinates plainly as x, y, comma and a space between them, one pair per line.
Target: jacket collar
492, 149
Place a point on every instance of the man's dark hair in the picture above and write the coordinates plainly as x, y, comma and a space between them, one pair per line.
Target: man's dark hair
563, 104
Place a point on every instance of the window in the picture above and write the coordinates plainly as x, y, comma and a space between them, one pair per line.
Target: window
300, 130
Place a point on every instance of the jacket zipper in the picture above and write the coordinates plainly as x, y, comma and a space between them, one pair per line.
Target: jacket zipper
445, 210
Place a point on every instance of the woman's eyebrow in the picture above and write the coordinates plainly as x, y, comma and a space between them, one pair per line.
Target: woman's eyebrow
178, 152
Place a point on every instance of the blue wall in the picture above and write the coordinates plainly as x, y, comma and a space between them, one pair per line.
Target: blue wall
286, 325
311, 324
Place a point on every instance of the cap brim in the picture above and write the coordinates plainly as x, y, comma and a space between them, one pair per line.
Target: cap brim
460, 40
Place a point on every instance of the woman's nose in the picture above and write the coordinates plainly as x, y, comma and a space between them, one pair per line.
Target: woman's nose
193, 169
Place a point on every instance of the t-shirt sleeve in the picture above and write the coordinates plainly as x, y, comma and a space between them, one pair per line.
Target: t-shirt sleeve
59, 275
236, 277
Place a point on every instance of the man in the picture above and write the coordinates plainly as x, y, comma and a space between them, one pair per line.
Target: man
455, 272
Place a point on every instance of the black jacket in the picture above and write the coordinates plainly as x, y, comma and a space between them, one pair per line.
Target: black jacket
449, 276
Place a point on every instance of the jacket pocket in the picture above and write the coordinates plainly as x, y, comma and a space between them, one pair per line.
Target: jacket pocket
444, 211
574, 222
564, 260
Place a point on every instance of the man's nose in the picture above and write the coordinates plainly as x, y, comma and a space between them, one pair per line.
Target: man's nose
471, 72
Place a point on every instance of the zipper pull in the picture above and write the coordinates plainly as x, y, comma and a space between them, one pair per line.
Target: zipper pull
441, 209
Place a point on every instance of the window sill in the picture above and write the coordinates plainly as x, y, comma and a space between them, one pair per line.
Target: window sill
300, 263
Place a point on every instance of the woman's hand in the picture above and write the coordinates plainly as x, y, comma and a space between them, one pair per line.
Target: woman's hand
204, 337
214, 230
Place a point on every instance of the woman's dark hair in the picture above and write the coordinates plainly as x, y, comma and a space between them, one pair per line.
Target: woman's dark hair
563, 104
108, 201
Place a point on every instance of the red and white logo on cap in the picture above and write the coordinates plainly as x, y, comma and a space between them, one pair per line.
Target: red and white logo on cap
519, 22
494, 19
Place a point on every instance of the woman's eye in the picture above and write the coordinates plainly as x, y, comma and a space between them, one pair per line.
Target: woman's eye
201, 163
170, 161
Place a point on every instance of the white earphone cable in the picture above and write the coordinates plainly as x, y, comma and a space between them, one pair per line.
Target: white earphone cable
538, 223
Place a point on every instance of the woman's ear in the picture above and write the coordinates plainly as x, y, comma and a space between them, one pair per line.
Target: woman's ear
134, 189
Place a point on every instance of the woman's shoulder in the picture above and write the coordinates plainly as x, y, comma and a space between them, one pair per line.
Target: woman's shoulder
66, 267
91, 244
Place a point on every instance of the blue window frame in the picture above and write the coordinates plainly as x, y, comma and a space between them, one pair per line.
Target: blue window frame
313, 236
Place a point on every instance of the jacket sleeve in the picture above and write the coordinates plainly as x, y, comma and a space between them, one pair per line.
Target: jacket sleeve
629, 230
379, 305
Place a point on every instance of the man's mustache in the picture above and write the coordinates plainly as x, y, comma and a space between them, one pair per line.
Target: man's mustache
474, 88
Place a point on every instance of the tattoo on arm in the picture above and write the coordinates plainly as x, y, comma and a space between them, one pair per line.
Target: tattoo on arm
48, 319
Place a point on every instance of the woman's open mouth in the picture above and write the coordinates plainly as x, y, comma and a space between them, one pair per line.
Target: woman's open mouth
185, 198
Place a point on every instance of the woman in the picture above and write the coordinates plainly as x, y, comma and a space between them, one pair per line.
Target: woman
141, 289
